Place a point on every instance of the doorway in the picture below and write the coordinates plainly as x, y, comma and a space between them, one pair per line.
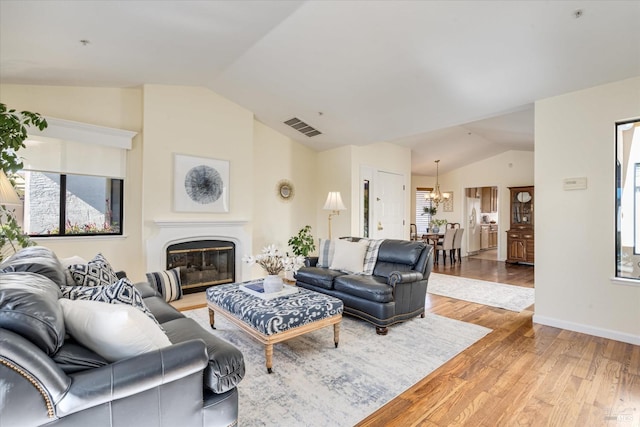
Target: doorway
383, 204
481, 210
388, 206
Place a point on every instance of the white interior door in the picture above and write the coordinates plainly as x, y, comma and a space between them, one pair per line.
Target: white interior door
388, 206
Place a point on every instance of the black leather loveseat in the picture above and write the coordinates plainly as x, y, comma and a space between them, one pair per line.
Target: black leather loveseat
48, 378
395, 292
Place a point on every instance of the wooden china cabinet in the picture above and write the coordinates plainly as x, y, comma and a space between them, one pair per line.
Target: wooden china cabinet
520, 237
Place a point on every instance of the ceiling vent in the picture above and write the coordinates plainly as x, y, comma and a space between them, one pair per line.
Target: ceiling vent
302, 127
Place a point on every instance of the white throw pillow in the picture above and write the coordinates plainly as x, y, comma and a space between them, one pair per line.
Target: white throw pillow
114, 331
348, 256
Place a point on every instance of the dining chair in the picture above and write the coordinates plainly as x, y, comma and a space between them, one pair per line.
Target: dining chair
457, 244
446, 245
455, 225
413, 232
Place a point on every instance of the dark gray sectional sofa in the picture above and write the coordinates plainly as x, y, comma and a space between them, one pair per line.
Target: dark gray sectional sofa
395, 292
48, 378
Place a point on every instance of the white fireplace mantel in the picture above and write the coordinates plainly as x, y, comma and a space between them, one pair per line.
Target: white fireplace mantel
168, 232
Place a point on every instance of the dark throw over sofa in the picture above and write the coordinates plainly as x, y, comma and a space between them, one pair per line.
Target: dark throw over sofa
49, 378
395, 292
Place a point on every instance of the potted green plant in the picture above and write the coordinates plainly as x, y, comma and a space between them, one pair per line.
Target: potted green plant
302, 244
13, 133
431, 210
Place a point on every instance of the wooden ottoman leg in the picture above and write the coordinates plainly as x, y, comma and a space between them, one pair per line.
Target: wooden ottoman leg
268, 354
212, 319
336, 333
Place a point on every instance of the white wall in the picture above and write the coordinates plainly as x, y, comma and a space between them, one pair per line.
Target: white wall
110, 107
575, 239
339, 170
277, 158
385, 157
509, 169
197, 122
187, 120
335, 174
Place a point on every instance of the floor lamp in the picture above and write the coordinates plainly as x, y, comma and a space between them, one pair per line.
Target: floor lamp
335, 205
8, 197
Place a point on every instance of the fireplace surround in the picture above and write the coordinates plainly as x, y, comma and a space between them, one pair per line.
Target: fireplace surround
165, 233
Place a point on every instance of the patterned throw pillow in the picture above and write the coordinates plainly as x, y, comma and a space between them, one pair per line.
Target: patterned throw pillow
120, 292
66, 263
371, 257
167, 283
326, 249
97, 272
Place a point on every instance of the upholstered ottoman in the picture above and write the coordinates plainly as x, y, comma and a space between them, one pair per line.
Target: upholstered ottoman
275, 320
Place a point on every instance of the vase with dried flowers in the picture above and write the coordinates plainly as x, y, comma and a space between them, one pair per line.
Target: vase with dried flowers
274, 263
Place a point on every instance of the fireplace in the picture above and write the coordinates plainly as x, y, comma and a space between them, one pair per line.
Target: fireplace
203, 263
165, 234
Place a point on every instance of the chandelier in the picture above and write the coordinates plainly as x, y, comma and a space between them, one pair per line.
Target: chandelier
437, 196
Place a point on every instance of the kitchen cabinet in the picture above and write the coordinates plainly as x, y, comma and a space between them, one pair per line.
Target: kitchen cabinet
489, 200
520, 236
484, 237
488, 236
493, 236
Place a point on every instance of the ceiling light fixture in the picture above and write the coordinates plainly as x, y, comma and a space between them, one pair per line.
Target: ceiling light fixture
437, 196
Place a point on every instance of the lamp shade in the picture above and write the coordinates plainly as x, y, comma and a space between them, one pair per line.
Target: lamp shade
334, 202
8, 195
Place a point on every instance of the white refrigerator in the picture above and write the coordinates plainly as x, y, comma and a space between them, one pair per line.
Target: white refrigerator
473, 225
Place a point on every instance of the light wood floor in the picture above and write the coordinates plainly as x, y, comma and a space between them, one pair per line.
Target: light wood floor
520, 374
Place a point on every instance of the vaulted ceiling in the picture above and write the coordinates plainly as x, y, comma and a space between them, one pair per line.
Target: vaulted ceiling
453, 80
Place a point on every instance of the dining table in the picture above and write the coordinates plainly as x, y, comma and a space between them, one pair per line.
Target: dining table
433, 238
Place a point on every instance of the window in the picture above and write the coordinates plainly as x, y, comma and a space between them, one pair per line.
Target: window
65, 204
628, 199
423, 201
73, 178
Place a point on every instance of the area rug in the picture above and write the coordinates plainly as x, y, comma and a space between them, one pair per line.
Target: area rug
315, 384
508, 297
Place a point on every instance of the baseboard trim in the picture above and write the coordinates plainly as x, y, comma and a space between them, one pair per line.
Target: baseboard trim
586, 329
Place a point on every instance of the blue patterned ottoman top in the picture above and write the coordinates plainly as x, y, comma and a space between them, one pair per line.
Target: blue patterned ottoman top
276, 315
